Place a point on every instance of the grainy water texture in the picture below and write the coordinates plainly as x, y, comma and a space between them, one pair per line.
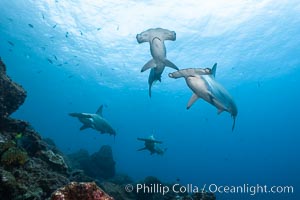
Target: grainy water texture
72, 56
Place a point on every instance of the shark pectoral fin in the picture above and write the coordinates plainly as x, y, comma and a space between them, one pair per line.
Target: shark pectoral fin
150, 64
144, 148
220, 111
170, 64
99, 111
75, 114
80, 115
84, 127
192, 100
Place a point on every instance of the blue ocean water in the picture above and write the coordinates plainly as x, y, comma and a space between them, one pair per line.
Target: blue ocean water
73, 56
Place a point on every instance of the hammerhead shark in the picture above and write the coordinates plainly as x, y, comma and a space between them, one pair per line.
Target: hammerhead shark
156, 38
151, 145
94, 121
206, 87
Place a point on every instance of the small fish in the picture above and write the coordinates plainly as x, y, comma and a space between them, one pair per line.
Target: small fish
258, 84
65, 63
77, 64
70, 76
18, 136
50, 61
81, 33
54, 26
43, 16
10, 19
118, 28
43, 48
40, 71
59, 65
67, 34
30, 25
55, 57
11, 43
98, 29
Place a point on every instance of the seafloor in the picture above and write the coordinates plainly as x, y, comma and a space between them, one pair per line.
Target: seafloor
33, 168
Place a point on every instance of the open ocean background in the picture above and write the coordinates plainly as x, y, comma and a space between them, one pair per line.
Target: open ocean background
74, 55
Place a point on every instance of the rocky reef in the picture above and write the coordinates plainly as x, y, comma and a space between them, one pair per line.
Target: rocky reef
28, 167
32, 168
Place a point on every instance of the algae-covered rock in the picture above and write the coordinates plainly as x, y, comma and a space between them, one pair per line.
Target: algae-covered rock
14, 157
80, 191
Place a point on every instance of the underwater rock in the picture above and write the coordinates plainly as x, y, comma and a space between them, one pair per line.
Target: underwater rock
99, 165
78, 175
7, 182
204, 196
103, 162
12, 95
117, 191
78, 159
121, 179
55, 160
80, 191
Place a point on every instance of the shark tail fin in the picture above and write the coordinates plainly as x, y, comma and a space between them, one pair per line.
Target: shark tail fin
170, 64
214, 69
233, 125
150, 64
150, 93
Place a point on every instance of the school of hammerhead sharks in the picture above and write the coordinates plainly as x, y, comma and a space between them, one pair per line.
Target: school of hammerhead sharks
200, 80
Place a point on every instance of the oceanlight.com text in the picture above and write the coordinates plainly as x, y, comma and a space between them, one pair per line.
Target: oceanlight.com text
213, 188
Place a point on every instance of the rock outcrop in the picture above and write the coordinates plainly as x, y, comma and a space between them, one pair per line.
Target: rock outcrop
12, 95
99, 165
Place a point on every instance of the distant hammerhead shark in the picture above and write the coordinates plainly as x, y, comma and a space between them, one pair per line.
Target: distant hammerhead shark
94, 121
156, 38
206, 87
151, 145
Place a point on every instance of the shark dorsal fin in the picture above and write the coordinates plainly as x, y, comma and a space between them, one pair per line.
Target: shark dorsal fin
99, 111
213, 70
